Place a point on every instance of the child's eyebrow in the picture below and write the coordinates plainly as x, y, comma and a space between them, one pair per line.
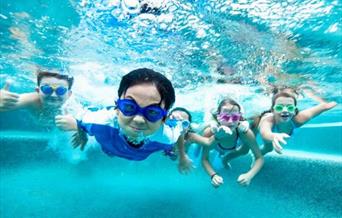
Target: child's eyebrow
153, 104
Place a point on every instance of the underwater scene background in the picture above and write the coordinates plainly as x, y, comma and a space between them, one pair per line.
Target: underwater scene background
259, 43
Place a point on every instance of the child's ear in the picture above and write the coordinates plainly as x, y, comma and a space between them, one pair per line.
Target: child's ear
70, 93
37, 89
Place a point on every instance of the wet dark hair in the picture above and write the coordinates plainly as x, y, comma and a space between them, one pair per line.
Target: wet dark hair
145, 75
227, 101
42, 74
183, 110
224, 102
280, 89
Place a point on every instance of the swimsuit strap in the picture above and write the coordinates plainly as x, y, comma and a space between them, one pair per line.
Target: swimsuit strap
231, 148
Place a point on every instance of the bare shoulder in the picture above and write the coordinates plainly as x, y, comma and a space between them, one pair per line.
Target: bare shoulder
268, 117
266, 120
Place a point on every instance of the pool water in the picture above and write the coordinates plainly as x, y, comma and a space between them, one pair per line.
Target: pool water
37, 182
291, 42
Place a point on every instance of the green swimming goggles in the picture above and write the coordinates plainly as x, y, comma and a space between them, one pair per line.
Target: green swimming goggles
280, 108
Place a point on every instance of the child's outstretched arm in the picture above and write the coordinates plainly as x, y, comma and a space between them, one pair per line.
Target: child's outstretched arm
249, 139
185, 164
11, 101
201, 140
216, 180
69, 123
265, 129
305, 115
66, 122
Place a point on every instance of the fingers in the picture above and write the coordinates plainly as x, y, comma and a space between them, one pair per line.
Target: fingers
79, 139
282, 140
216, 185
214, 129
185, 169
244, 180
277, 147
59, 119
75, 140
217, 181
330, 105
8, 99
227, 130
9, 103
59, 116
279, 138
284, 135
11, 96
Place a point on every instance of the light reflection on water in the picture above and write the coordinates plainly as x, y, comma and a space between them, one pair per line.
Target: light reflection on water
100, 41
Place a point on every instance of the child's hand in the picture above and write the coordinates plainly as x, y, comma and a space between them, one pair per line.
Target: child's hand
244, 179
216, 181
329, 105
185, 164
8, 100
277, 139
222, 131
243, 126
66, 122
176, 116
80, 138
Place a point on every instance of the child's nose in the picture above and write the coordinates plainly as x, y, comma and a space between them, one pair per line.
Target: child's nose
138, 118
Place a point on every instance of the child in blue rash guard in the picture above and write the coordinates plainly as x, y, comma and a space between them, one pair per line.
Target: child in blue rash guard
135, 127
232, 140
283, 118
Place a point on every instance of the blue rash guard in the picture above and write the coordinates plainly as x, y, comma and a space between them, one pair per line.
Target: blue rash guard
103, 124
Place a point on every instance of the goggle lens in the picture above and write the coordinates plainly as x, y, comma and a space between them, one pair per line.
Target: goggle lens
48, 90
279, 108
226, 117
129, 107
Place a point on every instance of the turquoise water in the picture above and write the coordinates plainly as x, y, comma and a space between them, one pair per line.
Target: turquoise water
292, 42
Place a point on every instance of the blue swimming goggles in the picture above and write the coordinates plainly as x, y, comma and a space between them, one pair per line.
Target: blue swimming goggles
48, 90
129, 107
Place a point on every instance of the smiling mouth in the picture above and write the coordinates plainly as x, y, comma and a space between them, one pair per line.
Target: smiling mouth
285, 116
137, 129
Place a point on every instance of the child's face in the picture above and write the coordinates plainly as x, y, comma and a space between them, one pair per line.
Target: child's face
144, 95
284, 115
60, 91
229, 115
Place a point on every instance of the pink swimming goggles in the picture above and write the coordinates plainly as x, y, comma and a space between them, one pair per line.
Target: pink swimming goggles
234, 117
